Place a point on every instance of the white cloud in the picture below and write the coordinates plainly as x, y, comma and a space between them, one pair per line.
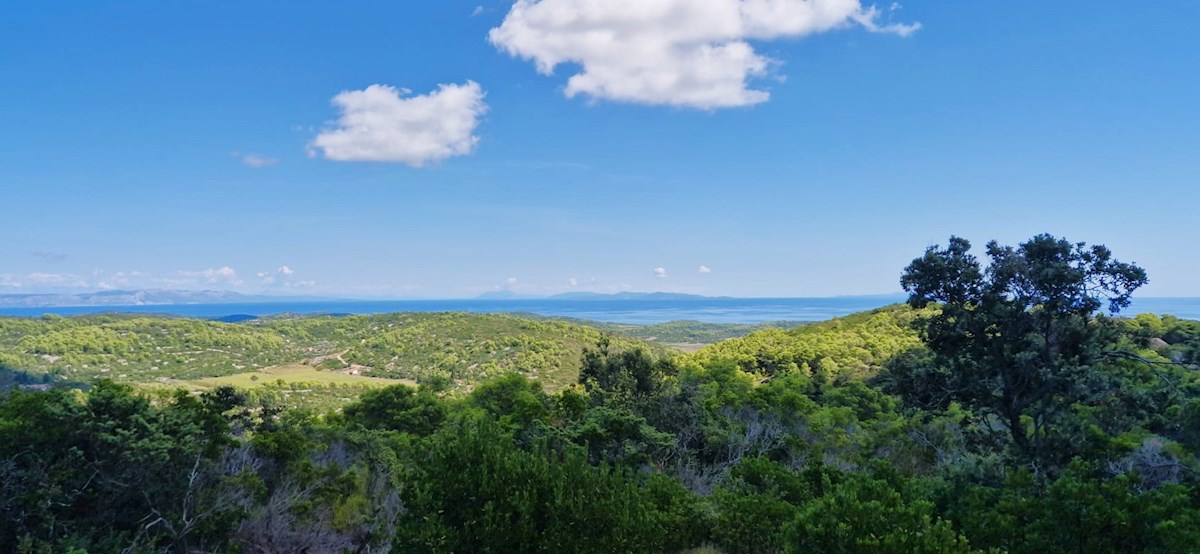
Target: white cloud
688, 53
43, 281
213, 276
284, 276
119, 279
705, 269
478, 11
256, 161
573, 282
224, 274
57, 279
660, 272
48, 257
384, 124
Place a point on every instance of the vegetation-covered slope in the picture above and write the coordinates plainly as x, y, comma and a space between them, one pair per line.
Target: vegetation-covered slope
695, 332
139, 349
451, 348
854, 346
459, 348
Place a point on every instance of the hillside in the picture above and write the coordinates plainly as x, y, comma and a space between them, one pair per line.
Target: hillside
854, 346
459, 347
679, 333
455, 349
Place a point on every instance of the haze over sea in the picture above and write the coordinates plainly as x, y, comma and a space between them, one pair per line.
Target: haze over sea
640, 311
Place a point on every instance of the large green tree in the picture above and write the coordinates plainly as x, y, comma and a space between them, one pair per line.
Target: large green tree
1019, 341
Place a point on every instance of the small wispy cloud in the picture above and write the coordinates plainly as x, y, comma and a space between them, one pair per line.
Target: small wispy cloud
660, 272
550, 165
120, 279
48, 257
255, 161
478, 11
284, 276
705, 269
40, 280
223, 275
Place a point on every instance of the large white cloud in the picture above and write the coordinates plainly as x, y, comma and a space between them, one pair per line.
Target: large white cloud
689, 53
384, 124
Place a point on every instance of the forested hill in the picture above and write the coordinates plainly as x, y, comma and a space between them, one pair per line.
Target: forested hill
855, 346
681, 333
445, 348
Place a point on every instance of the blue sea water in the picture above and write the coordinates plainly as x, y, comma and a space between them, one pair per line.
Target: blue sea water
640, 311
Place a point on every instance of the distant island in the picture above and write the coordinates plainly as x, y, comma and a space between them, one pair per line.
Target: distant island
168, 297
509, 295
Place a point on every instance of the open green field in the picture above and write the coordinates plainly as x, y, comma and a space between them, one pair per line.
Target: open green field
296, 374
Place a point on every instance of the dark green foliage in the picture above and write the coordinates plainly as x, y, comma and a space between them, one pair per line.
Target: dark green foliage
398, 408
1077, 512
823, 510
1018, 341
623, 376
868, 515
760, 497
620, 437
543, 500
106, 470
512, 399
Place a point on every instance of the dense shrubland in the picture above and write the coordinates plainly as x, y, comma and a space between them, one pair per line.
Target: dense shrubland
860, 435
686, 332
449, 349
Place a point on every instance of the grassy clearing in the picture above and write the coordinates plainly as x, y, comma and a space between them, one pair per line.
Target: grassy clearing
296, 374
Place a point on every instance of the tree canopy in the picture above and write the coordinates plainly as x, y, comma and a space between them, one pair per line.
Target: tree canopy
1018, 339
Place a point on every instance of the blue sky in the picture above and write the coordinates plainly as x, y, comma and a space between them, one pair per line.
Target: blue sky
789, 157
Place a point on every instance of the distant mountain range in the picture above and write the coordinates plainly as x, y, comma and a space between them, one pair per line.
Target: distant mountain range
167, 297
509, 295
151, 297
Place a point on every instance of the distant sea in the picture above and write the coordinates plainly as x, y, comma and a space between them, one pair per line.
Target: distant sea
640, 311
